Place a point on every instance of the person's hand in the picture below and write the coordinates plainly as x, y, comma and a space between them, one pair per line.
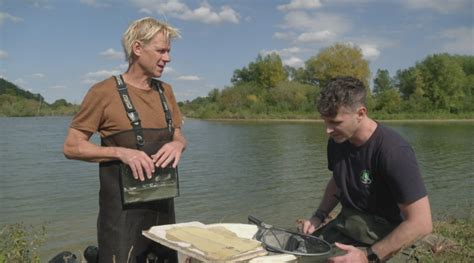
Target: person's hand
353, 254
169, 152
138, 161
308, 226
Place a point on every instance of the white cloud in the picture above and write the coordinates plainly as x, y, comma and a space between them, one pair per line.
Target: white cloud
39, 3
461, 40
294, 62
205, 13
94, 77
284, 52
315, 37
294, 50
7, 17
287, 55
284, 35
102, 73
370, 51
189, 77
38, 75
111, 54
300, 4
94, 3
303, 21
3, 54
442, 6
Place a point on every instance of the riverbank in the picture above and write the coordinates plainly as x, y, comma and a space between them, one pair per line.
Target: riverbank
451, 241
315, 117
320, 120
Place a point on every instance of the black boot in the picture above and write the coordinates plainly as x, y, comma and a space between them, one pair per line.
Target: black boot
64, 257
91, 254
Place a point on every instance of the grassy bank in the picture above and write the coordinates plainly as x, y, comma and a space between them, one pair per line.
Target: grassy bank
315, 116
453, 242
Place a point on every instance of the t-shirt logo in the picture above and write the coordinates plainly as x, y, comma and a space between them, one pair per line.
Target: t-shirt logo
365, 177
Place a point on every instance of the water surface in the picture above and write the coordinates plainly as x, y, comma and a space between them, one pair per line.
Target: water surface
275, 171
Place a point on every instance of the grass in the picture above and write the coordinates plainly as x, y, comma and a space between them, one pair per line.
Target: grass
20, 243
453, 242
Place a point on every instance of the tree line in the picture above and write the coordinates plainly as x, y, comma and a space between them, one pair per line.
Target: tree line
441, 85
16, 102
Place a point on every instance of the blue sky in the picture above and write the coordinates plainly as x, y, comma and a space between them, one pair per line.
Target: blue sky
59, 48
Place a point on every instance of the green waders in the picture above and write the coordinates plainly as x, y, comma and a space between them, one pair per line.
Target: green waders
352, 227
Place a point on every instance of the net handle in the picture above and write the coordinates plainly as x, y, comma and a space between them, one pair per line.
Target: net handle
259, 223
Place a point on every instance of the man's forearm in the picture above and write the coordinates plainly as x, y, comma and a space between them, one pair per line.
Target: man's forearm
329, 200
87, 151
178, 136
416, 225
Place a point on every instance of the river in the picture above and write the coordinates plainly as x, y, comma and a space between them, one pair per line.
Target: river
273, 170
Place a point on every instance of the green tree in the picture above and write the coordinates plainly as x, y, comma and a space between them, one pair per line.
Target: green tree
405, 81
292, 97
60, 103
443, 78
266, 71
417, 100
382, 81
338, 60
386, 96
214, 95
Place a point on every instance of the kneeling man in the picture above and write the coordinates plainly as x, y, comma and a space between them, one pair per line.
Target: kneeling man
385, 206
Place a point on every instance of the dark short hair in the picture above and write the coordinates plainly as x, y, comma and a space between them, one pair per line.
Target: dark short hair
341, 92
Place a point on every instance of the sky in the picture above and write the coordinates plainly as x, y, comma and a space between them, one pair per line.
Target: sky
60, 48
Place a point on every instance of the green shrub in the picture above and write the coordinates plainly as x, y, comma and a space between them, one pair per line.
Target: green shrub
20, 243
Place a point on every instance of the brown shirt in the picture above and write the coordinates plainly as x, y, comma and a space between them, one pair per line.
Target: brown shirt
102, 109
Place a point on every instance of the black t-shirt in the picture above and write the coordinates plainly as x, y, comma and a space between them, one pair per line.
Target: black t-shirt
377, 175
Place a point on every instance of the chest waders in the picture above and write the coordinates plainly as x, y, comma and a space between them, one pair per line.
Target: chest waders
120, 225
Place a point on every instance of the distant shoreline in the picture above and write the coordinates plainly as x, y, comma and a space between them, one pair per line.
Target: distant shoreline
272, 120
319, 120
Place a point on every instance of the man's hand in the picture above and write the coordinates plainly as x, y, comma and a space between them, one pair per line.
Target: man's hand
169, 152
138, 161
308, 226
353, 254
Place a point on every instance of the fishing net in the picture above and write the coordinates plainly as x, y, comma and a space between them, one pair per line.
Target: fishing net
280, 240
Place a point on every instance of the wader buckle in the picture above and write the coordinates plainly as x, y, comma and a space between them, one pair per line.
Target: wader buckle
133, 116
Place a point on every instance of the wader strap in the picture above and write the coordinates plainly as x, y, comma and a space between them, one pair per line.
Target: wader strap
131, 112
169, 121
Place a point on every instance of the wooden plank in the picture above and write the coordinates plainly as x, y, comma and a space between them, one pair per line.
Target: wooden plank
159, 235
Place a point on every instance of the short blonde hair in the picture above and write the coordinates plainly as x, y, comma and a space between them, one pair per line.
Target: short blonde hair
143, 30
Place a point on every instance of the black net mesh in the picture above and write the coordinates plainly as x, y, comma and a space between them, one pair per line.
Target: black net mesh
283, 241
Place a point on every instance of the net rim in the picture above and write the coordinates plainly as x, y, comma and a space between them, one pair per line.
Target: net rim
279, 250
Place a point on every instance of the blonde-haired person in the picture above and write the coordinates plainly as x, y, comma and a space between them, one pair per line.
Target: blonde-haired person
146, 43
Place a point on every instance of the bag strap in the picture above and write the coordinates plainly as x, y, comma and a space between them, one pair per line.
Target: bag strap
131, 112
169, 120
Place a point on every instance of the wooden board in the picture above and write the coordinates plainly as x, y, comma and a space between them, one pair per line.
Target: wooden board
158, 234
